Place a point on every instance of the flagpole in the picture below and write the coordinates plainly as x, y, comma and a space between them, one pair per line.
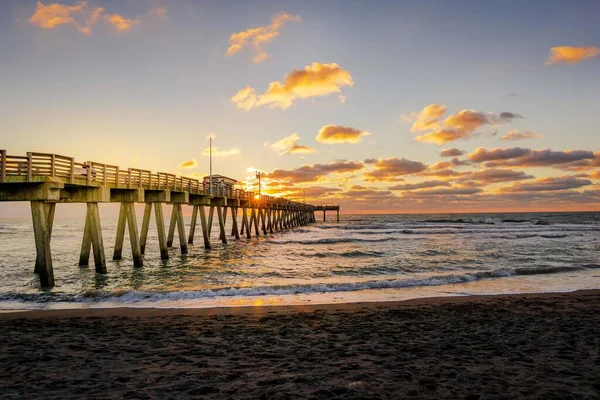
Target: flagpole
210, 165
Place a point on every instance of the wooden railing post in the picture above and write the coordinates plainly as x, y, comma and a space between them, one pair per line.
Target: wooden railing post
72, 171
104, 175
140, 178
29, 173
89, 173
3, 165
53, 165
129, 180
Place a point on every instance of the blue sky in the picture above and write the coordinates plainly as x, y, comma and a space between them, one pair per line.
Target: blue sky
148, 96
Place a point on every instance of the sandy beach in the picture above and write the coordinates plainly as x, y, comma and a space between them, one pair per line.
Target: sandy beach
517, 346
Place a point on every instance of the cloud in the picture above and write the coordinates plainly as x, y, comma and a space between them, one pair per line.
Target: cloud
461, 125
451, 152
390, 169
314, 80
289, 145
571, 55
494, 175
516, 135
332, 134
311, 173
428, 118
160, 11
188, 164
54, 15
522, 157
298, 149
548, 184
420, 185
216, 152
454, 191
257, 37
120, 23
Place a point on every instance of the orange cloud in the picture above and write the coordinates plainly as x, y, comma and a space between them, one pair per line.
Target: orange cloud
451, 152
314, 80
548, 184
461, 125
188, 164
332, 134
311, 173
420, 185
289, 145
256, 37
216, 152
521, 157
571, 55
428, 118
55, 14
120, 23
391, 169
516, 135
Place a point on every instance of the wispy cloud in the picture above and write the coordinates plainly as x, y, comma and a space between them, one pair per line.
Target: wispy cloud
54, 15
188, 164
314, 80
523, 157
516, 135
571, 55
334, 134
216, 152
289, 145
257, 37
120, 23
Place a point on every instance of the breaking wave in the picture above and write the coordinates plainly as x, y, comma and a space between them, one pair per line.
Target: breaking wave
135, 296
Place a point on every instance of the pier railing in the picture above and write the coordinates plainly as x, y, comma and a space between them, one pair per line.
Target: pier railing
35, 166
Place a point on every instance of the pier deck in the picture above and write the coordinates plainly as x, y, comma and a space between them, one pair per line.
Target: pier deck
48, 179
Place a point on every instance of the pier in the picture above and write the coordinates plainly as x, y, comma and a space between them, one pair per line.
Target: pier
45, 180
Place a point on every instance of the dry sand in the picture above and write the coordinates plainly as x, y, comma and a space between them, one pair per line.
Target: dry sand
533, 346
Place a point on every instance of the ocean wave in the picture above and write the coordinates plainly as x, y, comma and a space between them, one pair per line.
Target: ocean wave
333, 241
349, 254
135, 296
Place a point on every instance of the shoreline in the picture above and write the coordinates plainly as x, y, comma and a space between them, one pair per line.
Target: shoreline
280, 309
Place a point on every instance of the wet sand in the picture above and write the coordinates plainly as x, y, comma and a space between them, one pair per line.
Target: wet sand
532, 346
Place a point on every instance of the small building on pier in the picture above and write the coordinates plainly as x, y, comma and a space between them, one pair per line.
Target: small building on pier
221, 185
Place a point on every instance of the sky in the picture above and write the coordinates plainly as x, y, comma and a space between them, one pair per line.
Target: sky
387, 106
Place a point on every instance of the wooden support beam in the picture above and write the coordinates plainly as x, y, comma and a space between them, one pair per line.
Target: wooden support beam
92, 238
211, 214
127, 217
234, 223
145, 225
269, 222
93, 214
43, 220
254, 216
338, 215
205, 231
160, 227
222, 235
86, 243
193, 224
262, 213
133, 235
181, 229
118, 253
245, 223
224, 221
172, 224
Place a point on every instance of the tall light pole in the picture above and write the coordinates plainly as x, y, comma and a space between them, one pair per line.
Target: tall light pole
258, 177
210, 164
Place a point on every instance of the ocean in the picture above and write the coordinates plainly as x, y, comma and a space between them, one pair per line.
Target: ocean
360, 258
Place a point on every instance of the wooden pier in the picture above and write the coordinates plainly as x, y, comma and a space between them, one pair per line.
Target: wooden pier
47, 179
